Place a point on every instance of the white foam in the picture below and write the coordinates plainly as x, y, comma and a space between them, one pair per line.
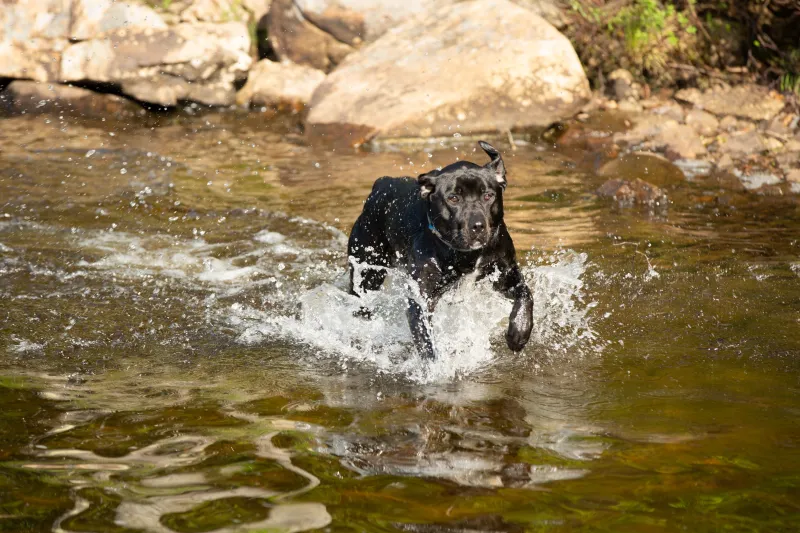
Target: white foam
24, 346
468, 323
302, 301
268, 237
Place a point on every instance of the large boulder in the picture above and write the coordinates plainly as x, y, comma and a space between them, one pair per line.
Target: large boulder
320, 33
279, 85
198, 62
457, 71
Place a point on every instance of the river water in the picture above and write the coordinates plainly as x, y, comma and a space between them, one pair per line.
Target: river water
177, 355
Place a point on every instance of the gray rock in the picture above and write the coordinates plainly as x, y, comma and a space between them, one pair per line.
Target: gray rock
35, 97
751, 102
457, 71
279, 84
756, 180
693, 168
197, 62
628, 193
702, 122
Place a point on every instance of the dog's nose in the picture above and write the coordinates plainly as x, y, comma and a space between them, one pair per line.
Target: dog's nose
477, 226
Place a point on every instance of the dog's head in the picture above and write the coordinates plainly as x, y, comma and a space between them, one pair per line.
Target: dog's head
466, 200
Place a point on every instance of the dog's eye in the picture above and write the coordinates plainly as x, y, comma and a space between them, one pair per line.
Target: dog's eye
453, 198
488, 196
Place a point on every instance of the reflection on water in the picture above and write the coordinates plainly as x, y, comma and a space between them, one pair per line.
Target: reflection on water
177, 354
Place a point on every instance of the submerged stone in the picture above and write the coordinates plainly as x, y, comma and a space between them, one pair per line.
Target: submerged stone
637, 192
654, 168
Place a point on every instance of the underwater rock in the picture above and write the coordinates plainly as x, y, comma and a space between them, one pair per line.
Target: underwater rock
279, 84
658, 170
458, 71
628, 193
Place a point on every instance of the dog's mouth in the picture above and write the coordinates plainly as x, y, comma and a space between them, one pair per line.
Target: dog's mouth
473, 242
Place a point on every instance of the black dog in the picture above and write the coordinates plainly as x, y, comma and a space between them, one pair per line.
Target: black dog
439, 227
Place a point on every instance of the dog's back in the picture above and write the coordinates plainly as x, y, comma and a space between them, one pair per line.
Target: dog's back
392, 215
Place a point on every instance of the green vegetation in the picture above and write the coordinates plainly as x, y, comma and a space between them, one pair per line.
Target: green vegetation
690, 41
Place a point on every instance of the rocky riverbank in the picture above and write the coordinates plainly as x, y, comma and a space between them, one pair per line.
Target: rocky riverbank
357, 74
745, 137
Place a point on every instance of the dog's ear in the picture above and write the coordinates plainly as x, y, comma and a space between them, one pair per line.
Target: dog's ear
496, 164
427, 182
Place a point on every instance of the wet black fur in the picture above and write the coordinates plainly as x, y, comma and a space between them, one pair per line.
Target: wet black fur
439, 227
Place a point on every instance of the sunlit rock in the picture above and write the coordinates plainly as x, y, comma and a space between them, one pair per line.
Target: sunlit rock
33, 33
92, 18
320, 33
197, 62
458, 71
752, 102
661, 134
279, 84
702, 122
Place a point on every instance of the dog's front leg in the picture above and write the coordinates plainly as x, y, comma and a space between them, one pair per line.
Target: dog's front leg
419, 322
520, 323
427, 276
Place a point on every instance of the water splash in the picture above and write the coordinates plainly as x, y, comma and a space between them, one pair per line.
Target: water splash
468, 323
280, 289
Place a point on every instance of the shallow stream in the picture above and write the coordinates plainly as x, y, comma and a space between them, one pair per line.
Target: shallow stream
176, 354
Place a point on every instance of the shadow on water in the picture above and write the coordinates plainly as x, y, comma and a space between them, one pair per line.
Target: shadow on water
176, 355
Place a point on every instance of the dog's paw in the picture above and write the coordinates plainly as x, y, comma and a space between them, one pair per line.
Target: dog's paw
520, 325
516, 339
